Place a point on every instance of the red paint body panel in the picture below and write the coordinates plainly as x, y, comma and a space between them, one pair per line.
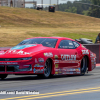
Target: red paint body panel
64, 61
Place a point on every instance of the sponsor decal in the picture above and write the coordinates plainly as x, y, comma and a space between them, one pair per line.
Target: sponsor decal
67, 71
49, 54
56, 57
37, 65
63, 72
34, 70
36, 60
56, 61
2, 52
41, 60
92, 63
22, 47
39, 71
68, 57
69, 61
92, 60
56, 65
78, 72
60, 71
92, 54
13, 63
71, 69
21, 52
85, 52
77, 69
56, 72
71, 72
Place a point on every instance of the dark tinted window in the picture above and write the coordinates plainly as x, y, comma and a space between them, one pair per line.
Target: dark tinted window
66, 44
44, 41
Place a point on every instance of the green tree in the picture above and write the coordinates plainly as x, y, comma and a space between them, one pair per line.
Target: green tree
79, 8
71, 9
94, 11
95, 2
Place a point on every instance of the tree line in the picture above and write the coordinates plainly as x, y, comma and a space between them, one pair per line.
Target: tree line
84, 7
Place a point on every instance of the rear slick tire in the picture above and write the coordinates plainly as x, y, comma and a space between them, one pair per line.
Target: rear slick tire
84, 65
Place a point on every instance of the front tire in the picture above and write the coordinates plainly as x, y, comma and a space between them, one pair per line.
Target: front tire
84, 65
47, 70
3, 76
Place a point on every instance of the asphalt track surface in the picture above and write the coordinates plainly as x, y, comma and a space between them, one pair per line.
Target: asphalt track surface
85, 87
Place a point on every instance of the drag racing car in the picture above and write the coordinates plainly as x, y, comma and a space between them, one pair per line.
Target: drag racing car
47, 56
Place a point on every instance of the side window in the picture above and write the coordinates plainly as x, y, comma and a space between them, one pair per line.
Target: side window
76, 44
66, 44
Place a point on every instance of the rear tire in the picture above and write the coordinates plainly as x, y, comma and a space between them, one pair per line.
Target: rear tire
84, 65
3, 76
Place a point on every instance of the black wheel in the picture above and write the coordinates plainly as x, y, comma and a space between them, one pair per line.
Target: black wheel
3, 76
47, 70
83, 65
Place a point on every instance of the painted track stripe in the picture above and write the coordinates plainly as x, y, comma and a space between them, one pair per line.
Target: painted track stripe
60, 94
64, 92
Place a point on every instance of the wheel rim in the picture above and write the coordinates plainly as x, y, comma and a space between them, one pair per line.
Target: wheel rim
47, 68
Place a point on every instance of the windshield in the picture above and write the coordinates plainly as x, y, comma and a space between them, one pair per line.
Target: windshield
44, 41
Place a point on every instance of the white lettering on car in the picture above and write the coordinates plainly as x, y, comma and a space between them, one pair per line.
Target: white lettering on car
21, 52
85, 52
68, 57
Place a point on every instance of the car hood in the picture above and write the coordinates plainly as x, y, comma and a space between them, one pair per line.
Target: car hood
22, 51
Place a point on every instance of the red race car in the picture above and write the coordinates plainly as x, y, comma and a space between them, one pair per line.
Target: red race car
46, 56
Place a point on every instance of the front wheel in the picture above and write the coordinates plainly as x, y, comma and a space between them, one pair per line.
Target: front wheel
47, 70
84, 65
3, 76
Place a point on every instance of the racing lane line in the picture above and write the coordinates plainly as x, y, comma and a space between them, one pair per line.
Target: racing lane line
59, 95
56, 93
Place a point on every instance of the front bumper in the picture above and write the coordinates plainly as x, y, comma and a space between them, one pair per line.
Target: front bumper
23, 67
14, 69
